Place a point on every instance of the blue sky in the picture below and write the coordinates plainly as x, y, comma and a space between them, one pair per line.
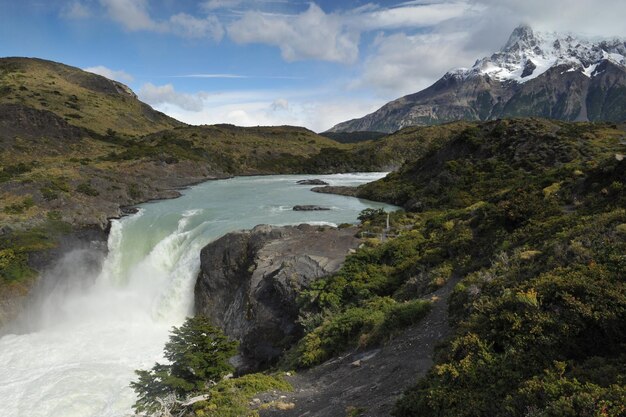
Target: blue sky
259, 62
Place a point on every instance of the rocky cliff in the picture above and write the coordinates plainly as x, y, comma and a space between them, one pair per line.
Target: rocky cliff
249, 281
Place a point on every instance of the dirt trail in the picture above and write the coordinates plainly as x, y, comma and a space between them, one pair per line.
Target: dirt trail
373, 380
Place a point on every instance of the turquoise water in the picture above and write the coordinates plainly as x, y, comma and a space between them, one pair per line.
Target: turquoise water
95, 329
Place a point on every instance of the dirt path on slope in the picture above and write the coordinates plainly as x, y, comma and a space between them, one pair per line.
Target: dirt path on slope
370, 381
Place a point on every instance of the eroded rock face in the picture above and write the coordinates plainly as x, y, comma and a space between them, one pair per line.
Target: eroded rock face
249, 281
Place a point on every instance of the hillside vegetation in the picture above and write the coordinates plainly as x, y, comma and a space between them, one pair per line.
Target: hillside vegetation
530, 216
80, 98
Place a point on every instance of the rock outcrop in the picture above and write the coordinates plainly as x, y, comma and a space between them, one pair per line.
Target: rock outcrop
336, 189
309, 207
311, 182
249, 281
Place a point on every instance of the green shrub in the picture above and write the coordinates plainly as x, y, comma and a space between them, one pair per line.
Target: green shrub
19, 208
48, 193
134, 192
555, 395
87, 189
10, 171
374, 322
14, 266
231, 397
372, 215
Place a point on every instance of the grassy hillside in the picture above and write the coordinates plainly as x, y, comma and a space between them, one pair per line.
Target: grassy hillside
82, 99
529, 216
489, 159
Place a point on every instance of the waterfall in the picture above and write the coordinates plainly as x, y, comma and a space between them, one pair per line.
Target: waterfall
78, 346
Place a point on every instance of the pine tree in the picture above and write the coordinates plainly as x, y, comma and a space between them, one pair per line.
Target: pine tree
198, 354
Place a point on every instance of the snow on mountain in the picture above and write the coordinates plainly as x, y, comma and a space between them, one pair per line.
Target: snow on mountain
529, 54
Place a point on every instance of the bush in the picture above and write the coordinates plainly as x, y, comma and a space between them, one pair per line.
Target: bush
231, 397
48, 193
370, 214
10, 171
19, 208
555, 395
370, 324
134, 192
87, 189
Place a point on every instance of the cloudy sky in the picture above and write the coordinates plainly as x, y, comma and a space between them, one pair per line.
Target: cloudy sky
268, 62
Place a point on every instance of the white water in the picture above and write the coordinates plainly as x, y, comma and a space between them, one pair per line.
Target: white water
92, 329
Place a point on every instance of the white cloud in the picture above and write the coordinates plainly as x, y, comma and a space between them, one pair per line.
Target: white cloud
190, 27
407, 15
590, 17
312, 34
75, 10
166, 95
111, 74
132, 14
403, 64
239, 76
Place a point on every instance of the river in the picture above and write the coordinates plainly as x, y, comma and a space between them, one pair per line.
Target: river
92, 329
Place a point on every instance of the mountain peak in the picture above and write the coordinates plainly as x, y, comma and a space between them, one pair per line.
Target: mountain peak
528, 54
523, 34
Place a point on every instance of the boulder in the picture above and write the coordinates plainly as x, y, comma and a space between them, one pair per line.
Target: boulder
312, 182
249, 281
309, 208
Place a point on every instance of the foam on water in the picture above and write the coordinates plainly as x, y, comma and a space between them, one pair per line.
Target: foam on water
76, 349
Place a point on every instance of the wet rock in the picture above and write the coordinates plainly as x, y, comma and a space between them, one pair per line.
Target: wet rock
309, 208
249, 281
311, 182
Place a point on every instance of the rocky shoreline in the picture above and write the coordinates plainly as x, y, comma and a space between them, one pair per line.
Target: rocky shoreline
337, 189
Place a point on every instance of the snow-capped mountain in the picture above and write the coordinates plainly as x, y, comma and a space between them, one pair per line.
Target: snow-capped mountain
527, 55
534, 74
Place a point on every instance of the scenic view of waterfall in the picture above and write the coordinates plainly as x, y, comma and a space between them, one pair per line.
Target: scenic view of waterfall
281, 208
75, 352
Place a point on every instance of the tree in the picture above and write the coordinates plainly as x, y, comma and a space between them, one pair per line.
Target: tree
370, 214
198, 354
